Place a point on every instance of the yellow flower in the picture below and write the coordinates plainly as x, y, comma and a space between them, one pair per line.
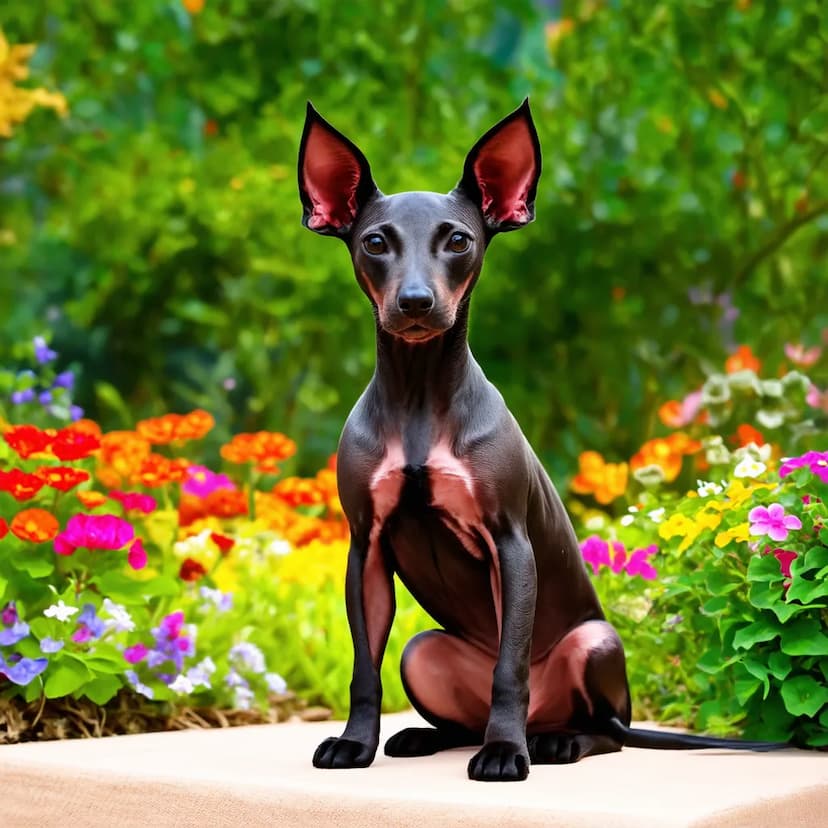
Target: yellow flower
688, 528
676, 525
740, 532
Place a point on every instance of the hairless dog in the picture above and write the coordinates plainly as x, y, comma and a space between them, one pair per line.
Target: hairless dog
440, 486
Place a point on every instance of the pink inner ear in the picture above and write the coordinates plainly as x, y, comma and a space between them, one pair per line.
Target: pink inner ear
505, 169
330, 176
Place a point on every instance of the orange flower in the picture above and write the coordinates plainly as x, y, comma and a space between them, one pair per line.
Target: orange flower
299, 491
221, 503
605, 481
61, 478
265, 448
660, 452
671, 414
743, 359
89, 427
157, 470
91, 500
122, 452
680, 443
194, 6
746, 433
174, 428
35, 525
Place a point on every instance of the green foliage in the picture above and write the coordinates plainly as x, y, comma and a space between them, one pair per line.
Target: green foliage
157, 227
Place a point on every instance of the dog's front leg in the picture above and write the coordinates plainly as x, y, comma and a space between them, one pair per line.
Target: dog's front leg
369, 600
504, 756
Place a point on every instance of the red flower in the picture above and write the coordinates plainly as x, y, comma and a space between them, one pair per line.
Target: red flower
62, 478
27, 440
4, 528
224, 543
73, 444
19, 485
191, 570
785, 559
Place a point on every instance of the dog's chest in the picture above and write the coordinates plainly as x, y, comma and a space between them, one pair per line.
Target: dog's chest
443, 483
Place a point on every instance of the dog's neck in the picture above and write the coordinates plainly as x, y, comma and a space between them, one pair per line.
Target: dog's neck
417, 378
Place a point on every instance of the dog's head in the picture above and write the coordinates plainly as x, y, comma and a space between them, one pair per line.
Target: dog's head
417, 255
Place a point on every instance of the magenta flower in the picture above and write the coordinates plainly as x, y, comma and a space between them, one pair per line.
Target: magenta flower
201, 482
94, 532
136, 653
785, 558
596, 552
135, 502
815, 461
639, 565
137, 555
772, 521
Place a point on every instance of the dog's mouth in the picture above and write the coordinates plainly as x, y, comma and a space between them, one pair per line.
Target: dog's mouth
417, 333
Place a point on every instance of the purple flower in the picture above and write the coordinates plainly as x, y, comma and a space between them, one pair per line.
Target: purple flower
772, 521
596, 552
201, 482
170, 626
815, 461
75, 413
233, 679
89, 625
639, 565
11, 635
66, 379
23, 670
50, 645
275, 683
45, 397
248, 655
136, 684
200, 674
24, 396
222, 601
43, 353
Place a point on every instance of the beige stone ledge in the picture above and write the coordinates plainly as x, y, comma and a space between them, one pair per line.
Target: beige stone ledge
262, 776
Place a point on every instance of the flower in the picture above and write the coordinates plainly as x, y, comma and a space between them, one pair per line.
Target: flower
201, 482
60, 611
65, 379
135, 653
137, 685
605, 481
181, 685
200, 674
815, 461
20, 485
223, 543
137, 555
785, 558
639, 565
155, 470
657, 515
27, 440
134, 501
119, 618
747, 434
89, 625
93, 532
35, 525
4, 528
772, 521
704, 488
9, 615
748, 467
817, 399
91, 500
50, 645
742, 359
666, 453
72, 443
191, 570
265, 448
222, 601
62, 478
300, 491
678, 414
275, 683
43, 353
595, 551
16, 632
800, 355
23, 670
175, 428
249, 656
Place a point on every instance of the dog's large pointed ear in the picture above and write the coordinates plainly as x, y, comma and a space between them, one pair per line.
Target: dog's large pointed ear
334, 177
502, 170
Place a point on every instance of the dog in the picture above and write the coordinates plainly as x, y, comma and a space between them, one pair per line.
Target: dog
440, 486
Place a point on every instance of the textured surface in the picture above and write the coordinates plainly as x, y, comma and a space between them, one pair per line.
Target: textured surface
262, 776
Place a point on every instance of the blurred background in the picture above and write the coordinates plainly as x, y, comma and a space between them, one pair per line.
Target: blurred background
152, 232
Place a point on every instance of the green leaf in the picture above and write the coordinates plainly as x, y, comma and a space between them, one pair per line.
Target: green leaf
764, 568
33, 562
758, 670
806, 591
804, 696
720, 583
765, 629
102, 689
65, 678
746, 687
804, 636
779, 664
818, 740
716, 604
816, 557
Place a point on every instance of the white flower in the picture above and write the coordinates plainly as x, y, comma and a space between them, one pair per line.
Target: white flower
275, 683
657, 515
120, 620
708, 487
181, 684
192, 546
749, 468
627, 520
594, 523
60, 611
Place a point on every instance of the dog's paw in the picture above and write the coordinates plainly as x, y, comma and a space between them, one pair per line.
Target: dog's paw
425, 741
500, 762
555, 748
343, 753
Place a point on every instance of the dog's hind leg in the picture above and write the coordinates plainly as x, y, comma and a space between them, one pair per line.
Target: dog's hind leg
574, 692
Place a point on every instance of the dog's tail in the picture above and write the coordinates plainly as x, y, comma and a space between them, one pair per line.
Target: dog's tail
662, 740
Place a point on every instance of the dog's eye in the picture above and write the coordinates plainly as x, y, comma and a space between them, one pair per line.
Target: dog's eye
458, 243
375, 244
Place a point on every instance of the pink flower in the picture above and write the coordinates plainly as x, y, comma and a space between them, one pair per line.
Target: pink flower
133, 501
135, 653
817, 399
639, 565
802, 356
201, 482
785, 559
137, 555
596, 552
772, 521
815, 461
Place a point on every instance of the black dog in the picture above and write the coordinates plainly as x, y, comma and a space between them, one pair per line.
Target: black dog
440, 486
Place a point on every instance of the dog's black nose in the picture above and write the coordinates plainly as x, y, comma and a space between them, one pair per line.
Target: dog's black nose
415, 302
